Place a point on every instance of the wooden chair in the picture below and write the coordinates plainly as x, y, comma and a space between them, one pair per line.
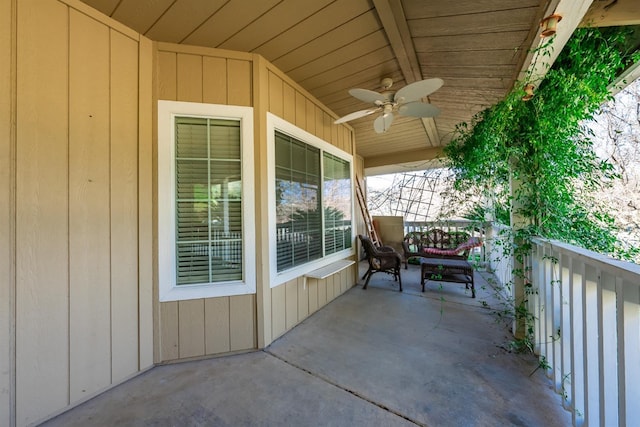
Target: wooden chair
381, 259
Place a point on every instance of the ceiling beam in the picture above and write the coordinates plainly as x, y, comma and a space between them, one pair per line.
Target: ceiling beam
394, 21
392, 18
612, 13
626, 78
422, 156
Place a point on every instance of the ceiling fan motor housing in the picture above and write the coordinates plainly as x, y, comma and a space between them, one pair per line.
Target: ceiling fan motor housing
386, 83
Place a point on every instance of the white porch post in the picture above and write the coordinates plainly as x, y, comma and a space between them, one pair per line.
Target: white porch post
518, 222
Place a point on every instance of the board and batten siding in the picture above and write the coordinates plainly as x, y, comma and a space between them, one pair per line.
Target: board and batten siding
292, 302
77, 205
202, 327
7, 217
83, 264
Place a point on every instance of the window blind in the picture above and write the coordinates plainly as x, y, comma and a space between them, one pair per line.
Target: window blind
208, 200
298, 202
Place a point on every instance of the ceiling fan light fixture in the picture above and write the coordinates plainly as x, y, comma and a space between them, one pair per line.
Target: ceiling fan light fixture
382, 123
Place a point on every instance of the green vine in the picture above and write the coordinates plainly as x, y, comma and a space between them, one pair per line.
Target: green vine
536, 159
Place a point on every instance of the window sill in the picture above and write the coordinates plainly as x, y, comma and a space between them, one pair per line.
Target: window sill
188, 292
329, 270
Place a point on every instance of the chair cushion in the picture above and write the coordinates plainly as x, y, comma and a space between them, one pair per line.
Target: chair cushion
473, 242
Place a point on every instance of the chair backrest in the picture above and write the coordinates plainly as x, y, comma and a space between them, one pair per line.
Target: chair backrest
368, 245
436, 238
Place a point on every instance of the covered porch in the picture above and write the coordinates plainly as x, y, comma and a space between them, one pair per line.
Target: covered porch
374, 357
88, 322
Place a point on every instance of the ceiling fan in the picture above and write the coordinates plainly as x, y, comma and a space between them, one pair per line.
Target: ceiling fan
405, 101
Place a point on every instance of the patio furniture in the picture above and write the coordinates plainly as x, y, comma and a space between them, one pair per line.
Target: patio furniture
437, 243
447, 270
381, 259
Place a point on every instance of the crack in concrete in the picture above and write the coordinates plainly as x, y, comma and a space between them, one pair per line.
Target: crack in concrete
352, 392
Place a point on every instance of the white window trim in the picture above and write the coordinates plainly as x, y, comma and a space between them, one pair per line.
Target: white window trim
275, 123
169, 291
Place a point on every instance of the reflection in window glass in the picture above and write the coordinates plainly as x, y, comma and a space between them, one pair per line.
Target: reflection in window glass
298, 220
336, 193
313, 212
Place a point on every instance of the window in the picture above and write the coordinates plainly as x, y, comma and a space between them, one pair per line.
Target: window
310, 203
299, 231
205, 206
336, 193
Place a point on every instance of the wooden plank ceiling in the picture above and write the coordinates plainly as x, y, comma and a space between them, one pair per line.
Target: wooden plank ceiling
477, 47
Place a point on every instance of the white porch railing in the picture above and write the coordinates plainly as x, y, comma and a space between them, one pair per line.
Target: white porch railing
587, 320
474, 228
588, 329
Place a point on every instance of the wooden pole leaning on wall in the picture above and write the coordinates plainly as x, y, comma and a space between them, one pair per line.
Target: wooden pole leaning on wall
368, 221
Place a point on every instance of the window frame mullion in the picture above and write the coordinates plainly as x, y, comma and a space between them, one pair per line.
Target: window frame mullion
209, 231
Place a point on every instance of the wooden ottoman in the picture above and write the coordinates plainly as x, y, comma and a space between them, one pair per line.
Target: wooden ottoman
447, 270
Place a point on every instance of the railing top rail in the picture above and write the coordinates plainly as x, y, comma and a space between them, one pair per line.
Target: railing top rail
624, 269
499, 226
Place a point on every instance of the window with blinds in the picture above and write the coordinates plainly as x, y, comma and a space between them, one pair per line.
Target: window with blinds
205, 206
298, 209
208, 220
313, 202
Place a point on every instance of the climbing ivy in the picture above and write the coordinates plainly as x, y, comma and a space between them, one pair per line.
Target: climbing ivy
544, 146
536, 159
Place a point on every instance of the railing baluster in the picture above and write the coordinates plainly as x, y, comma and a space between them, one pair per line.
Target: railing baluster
548, 331
578, 355
585, 343
566, 337
609, 346
621, 356
629, 351
592, 416
556, 319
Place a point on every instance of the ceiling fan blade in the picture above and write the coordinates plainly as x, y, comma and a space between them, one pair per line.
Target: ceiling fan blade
383, 123
418, 109
417, 90
356, 115
368, 96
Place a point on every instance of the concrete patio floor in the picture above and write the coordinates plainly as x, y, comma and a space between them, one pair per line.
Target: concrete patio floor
369, 358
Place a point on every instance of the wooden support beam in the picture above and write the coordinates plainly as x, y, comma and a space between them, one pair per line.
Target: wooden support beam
612, 13
404, 161
394, 21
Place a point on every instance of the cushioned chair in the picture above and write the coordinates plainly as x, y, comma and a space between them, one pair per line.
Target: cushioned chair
437, 243
381, 259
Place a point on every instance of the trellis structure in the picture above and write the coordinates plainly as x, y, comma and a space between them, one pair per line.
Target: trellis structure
416, 196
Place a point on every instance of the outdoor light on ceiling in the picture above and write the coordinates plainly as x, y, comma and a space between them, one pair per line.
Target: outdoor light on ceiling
528, 90
549, 25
